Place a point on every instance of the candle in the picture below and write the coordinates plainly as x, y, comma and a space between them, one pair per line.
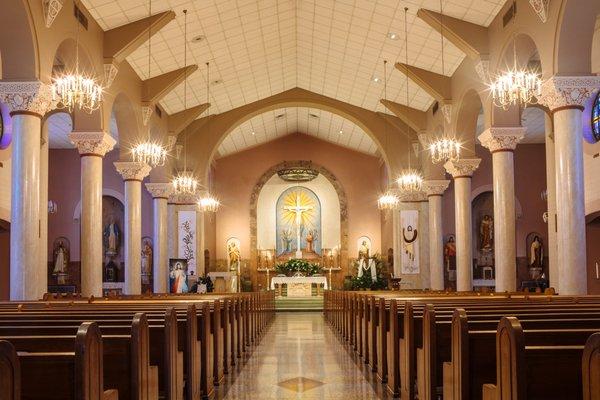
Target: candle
597, 271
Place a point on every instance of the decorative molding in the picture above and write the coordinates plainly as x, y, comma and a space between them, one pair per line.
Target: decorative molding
463, 167
51, 10
147, 111
163, 190
502, 138
110, 73
447, 111
416, 148
423, 139
131, 170
92, 143
31, 96
435, 187
178, 150
564, 91
171, 140
412, 197
183, 198
541, 8
482, 67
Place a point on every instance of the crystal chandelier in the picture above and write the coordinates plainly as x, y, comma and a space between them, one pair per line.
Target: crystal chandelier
74, 90
209, 204
388, 201
185, 183
444, 149
148, 152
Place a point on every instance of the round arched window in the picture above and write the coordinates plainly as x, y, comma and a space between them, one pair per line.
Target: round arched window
596, 118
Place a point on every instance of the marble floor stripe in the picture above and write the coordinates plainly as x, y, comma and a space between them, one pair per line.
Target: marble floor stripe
300, 357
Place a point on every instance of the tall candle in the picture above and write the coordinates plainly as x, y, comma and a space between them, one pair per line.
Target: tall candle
597, 271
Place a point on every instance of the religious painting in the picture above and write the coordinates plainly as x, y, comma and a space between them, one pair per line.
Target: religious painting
298, 216
147, 253
178, 278
364, 247
535, 255
409, 228
450, 263
233, 254
60, 260
187, 238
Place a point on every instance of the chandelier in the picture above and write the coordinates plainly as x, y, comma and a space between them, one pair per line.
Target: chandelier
388, 201
151, 153
444, 149
74, 90
185, 183
209, 204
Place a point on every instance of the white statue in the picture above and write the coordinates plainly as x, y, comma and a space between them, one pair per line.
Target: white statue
111, 237
60, 259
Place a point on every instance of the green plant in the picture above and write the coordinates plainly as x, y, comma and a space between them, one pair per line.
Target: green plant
365, 281
295, 265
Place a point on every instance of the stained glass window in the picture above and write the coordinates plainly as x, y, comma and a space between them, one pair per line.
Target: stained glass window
596, 118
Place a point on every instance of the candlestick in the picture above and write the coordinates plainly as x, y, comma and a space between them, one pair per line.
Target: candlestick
597, 271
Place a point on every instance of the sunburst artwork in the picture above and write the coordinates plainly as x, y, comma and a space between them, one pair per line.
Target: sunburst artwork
298, 223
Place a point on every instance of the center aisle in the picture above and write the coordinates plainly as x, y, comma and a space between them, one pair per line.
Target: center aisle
300, 357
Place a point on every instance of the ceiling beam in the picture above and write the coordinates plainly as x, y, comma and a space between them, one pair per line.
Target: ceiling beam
436, 85
154, 89
120, 42
179, 121
414, 118
400, 125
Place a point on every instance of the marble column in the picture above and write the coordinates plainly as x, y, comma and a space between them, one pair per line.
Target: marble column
566, 96
462, 171
501, 142
133, 173
43, 260
27, 102
551, 201
160, 259
92, 147
435, 190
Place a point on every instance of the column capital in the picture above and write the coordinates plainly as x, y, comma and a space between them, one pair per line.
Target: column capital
462, 168
412, 197
435, 187
160, 190
92, 143
568, 91
29, 97
502, 138
183, 199
131, 170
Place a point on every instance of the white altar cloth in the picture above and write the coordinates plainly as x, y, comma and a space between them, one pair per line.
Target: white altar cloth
278, 280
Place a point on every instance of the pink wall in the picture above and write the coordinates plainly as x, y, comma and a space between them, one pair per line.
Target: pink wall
530, 181
236, 175
65, 189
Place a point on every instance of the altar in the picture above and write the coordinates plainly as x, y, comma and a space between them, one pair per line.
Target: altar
299, 286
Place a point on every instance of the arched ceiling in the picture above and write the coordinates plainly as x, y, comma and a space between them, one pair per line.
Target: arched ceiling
60, 125
285, 121
260, 48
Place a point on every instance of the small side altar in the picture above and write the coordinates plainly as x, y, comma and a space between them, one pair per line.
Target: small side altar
299, 286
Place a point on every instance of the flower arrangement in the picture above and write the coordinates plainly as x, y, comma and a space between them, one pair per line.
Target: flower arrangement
296, 265
365, 281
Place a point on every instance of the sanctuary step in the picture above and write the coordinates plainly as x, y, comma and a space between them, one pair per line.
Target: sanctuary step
313, 303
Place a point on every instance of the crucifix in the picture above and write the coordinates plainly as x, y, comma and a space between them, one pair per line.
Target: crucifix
298, 209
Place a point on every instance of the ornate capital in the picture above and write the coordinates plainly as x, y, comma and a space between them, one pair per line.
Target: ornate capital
147, 110
541, 8
447, 111
92, 143
110, 73
183, 198
502, 138
435, 187
160, 190
564, 91
409, 197
462, 168
131, 170
51, 10
32, 96
482, 67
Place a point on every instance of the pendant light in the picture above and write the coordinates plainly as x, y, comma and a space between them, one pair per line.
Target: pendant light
410, 180
208, 203
446, 148
388, 200
152, 153
185, 182
75, 90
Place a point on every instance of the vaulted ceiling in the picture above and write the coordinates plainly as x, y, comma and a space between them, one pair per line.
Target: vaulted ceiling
258, 48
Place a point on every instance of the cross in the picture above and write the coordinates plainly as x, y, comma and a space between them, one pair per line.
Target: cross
298, 209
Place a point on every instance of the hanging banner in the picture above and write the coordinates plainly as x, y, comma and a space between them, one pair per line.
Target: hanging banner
409, 240
187, 239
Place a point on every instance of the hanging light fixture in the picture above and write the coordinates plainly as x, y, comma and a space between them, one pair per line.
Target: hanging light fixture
517, 86
445, 148
208, 203
410, 180
149, 152
185, 182
388, 200
75, 90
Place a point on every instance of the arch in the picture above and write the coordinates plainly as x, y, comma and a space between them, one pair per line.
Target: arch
18, 41
341, 193
126, 120
489, 188
105, 192
468, 113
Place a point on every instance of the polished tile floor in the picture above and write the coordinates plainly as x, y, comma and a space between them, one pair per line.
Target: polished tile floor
300, 357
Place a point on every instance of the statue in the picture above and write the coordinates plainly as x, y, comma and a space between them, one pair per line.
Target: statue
61, 262
363, 250
111, 238
311, 237
486, 234
146, 261
233, 252
286, 238
536, 253
450, 258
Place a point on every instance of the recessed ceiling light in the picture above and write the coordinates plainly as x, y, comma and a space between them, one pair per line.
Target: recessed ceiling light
376, 79
217, 82
198, 38
393, 36
341, 131
253, 133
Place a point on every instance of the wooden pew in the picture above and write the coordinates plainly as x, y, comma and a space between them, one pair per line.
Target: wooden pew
591, 368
